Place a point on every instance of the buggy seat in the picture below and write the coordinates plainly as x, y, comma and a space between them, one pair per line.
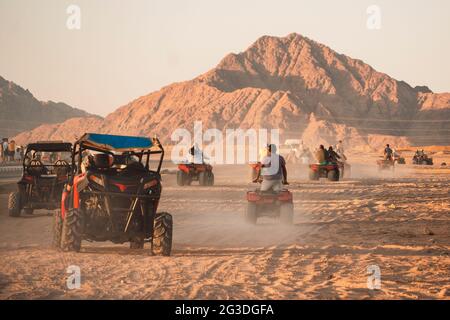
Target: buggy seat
36, 168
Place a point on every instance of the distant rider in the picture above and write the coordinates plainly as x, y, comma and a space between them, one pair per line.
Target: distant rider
321, 155
196, 154
333, 157
388, 153
340, 150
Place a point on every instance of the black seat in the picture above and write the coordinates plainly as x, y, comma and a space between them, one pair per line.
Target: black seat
102, 161
133, 169
36, 168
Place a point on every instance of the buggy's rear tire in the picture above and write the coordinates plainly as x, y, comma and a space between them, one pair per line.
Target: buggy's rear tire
72, 231
181, 178
313, 175
333, 175
162, 234
251, 215
57, 228
287, 213
14, 204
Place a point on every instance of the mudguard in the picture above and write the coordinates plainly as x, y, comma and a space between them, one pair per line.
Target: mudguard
71, 195
283, 196
327, 167
194, 168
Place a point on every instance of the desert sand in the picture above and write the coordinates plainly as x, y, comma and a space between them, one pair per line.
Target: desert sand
398, 221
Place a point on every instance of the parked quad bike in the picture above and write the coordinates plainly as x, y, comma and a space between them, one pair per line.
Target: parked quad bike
41, 185
188, 172
116, 197
329, 171
272, 204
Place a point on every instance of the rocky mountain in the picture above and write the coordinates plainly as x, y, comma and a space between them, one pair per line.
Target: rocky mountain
21, 111
293, 83
70, 130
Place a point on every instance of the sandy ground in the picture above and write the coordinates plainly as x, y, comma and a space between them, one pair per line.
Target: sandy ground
398, 221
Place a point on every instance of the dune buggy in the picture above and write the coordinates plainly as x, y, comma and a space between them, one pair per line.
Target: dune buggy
114, 195
268, 203
330, 171
188, 172
46, 170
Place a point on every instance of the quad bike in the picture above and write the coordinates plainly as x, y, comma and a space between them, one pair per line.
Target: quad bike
330, 171
42, 182
422, 160
188, 172
114, 195
268, 203
399, 159
386, 164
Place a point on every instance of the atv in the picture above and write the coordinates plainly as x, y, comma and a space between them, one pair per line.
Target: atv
386, 164
422, 159
399, 159
331, 171
268, 203
45, 172
188, 172
114, 195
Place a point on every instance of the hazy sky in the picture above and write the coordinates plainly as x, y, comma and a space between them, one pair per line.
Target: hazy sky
126, 49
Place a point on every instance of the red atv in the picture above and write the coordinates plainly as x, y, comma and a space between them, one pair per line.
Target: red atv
330, 171
188, 172
268, 203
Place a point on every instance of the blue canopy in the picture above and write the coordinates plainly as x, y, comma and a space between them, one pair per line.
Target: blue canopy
119, 143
